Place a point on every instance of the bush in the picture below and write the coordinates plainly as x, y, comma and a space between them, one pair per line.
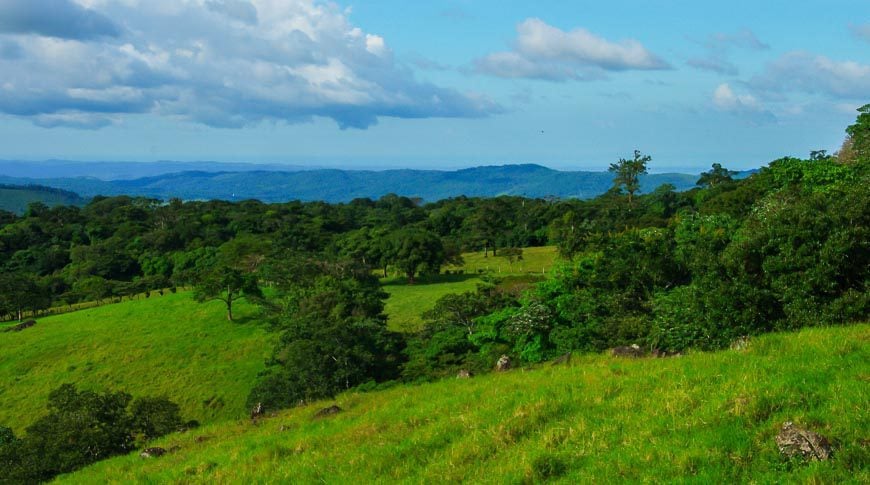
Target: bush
154, 417
81, 427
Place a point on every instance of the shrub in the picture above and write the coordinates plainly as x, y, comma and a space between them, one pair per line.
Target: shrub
153, 417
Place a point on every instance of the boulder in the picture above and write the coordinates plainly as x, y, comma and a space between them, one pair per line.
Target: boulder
740, 343
503, 363
794, 441
463, 374
626, 351
153, 452
21, 326
257, 412
328, 411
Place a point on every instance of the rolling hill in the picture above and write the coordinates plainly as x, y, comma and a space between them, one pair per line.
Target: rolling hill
160, 346
699, 418
16, 198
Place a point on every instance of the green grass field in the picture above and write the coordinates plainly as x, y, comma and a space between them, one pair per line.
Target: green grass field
537, 260
167, 345
700, 418
408, 302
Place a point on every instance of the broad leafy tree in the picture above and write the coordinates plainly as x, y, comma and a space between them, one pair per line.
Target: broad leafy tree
416, 251
715, 176
627, 174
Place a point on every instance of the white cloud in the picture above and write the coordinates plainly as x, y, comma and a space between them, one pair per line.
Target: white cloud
813, 74
542, 51
225, 63
743, 105
724, 98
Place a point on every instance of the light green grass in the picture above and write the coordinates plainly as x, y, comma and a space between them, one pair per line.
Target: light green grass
701, 418
536, 260
407, 302
169, 345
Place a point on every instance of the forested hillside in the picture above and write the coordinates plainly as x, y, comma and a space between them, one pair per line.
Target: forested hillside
17, 198
649, 274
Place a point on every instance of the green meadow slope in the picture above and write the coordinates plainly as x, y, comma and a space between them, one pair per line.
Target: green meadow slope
700, 418
407, 302
160, 346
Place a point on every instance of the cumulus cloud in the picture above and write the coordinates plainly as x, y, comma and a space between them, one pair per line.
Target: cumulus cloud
745, 105
54, 18
724, 98
542, 51
227, 63
718, 47
814, 74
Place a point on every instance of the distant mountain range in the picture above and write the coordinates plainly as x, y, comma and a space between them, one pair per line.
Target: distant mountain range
127, 170
216, 181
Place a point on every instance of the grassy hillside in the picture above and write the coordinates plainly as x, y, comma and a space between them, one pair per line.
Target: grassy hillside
701, 418
408, 302
166, 345
15, 199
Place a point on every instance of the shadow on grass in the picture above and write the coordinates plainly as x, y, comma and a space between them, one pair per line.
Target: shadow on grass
429, 279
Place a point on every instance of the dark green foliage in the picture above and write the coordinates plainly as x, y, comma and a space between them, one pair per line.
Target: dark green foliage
416, 251
460, 333
859, 134
627, 174
82, 427
333, 334
153, 417
718, 175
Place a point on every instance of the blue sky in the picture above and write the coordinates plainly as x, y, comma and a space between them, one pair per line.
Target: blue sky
387, 83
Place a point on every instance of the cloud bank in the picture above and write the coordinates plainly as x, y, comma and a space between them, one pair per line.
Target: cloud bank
224, 63
545, 52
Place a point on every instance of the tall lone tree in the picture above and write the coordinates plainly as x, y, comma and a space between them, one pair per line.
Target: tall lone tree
716, 176
232, 275
627, 174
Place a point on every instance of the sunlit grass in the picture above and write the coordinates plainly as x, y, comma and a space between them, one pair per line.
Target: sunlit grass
407, 302
164, 345
536, 260
701, 418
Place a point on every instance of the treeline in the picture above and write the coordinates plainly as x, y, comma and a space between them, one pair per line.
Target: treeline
121, 246
82, 427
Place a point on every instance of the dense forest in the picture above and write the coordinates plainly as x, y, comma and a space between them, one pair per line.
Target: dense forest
784, 248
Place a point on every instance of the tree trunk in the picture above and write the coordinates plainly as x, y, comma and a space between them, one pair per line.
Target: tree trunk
410, 278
